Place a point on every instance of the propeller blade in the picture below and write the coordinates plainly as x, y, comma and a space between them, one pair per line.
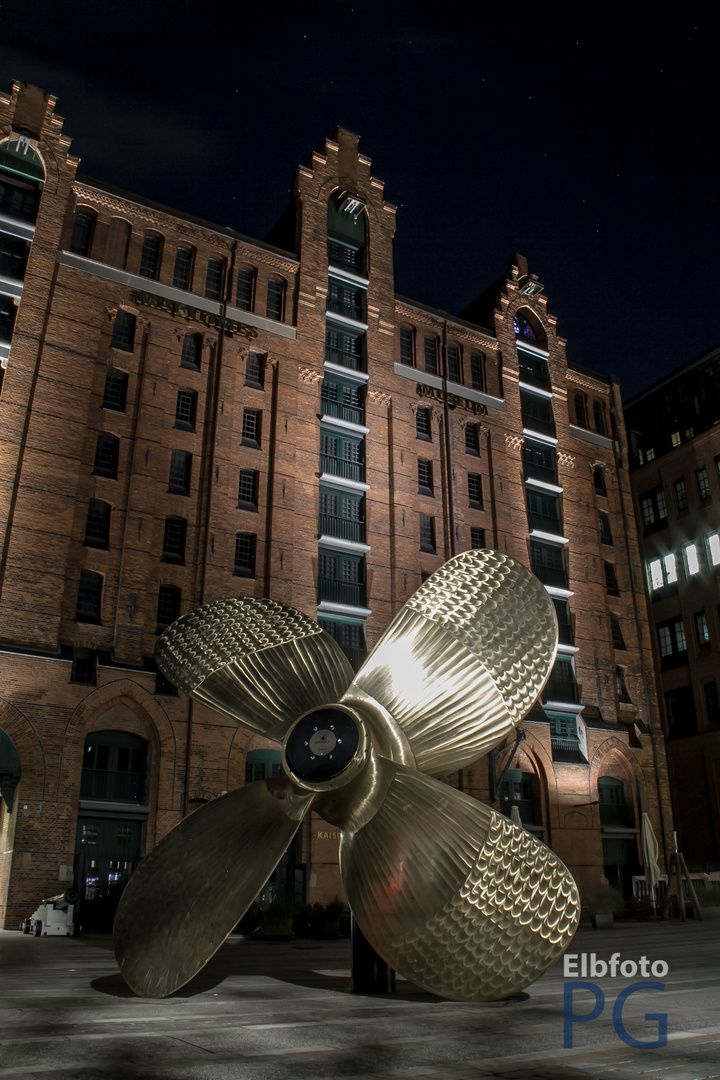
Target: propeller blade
453, 895
192, 889
259, 662
464, 659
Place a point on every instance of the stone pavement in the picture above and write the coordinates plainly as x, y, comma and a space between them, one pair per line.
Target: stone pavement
271, 1011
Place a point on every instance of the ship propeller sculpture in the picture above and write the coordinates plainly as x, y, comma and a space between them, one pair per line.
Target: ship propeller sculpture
453, 895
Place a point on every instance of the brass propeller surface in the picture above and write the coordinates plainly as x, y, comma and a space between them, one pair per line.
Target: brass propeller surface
452, 894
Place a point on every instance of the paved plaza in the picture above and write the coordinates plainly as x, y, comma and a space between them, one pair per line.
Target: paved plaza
270, 1011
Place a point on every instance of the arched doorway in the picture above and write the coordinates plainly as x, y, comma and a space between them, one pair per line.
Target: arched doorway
110, 825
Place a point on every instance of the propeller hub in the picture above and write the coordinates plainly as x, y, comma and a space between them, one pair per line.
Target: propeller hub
325, 748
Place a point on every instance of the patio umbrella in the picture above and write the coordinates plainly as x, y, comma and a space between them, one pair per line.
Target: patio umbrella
650, 852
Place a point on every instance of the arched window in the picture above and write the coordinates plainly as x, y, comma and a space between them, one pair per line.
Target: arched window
477, 371
245, 295
599, 480
182, 271
580, 411
107, 449
151, 256
275, 299
528, 328
191, 351
123, 335
114, 767
21, 173
214, 278
83, 230
347, 232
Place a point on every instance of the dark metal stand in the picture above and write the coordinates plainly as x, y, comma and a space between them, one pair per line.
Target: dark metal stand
679, 870
370, 973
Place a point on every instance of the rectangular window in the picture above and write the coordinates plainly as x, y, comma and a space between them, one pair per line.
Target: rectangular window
680, 638
703, 483
274, 307
123, 334
662, 571
182, 271
245, 554
477, 371
245, 283
475, 491
454, 369
611, 583
548, 564
168, 607
427, 533
150, 257
115, 392
537, 414
562, 611
406, 346
623, 695
180, 471
107, 450
599, 480
681, 494
97, 526
84, 664
653, 509
701, 628
477, 538
425, 477
422, 424
255, 370
89, 597
173, 549
431, 355
605, 532
214, 279
544, 512
191, 354
617, 634
248, 489
472, 439
692, 563
713, 543
539, 462
251, 427
185, 410
82, 232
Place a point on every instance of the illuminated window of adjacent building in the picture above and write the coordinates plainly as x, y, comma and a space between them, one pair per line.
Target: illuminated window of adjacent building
675, 438
703, 483
115, 392
454, 369
701, 628
173, 548
472, 439
427, 533
475, 491
431, 355
662, 571
681, 494
692, 563
150, 256
191, 354
107, 450
182, 271
650, 454
244, 555
214, 279
406, 346
97, 525
477, 371
248, 489
713, 543
123, 335
185, 410
180, 471
275, 295
611, 583
168, 607
82, 233
245, 288
477, 538
422, 424
251, 427
255, 370
89, 597
425, 477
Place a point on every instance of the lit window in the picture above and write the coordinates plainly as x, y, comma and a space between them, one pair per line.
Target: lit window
656, 574
692, 563
703, 483
670, 568
675, 438
650, 454
701, 628
713, 543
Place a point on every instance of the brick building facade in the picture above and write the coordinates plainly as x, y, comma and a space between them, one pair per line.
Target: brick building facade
189, 414
675, 474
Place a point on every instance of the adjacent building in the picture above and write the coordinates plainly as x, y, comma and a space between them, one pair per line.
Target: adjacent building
188, 413
675, 463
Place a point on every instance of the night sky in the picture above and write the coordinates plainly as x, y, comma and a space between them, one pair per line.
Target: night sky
587, 142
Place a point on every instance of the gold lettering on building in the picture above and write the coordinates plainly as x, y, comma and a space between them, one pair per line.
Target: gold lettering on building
186, 311
327, 834
452, 400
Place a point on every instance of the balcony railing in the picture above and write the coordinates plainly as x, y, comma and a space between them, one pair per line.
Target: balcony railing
349, 470
349, 309
550, 575
540, 472
342, 528
354, 414
538, 423
549, 523
349, 360
342, 592
560, 688
566, 748
340, 254
113, 786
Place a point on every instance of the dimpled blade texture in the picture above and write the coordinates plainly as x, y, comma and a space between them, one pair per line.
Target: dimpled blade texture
488, 910
257, 661
192, 889
465, 658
